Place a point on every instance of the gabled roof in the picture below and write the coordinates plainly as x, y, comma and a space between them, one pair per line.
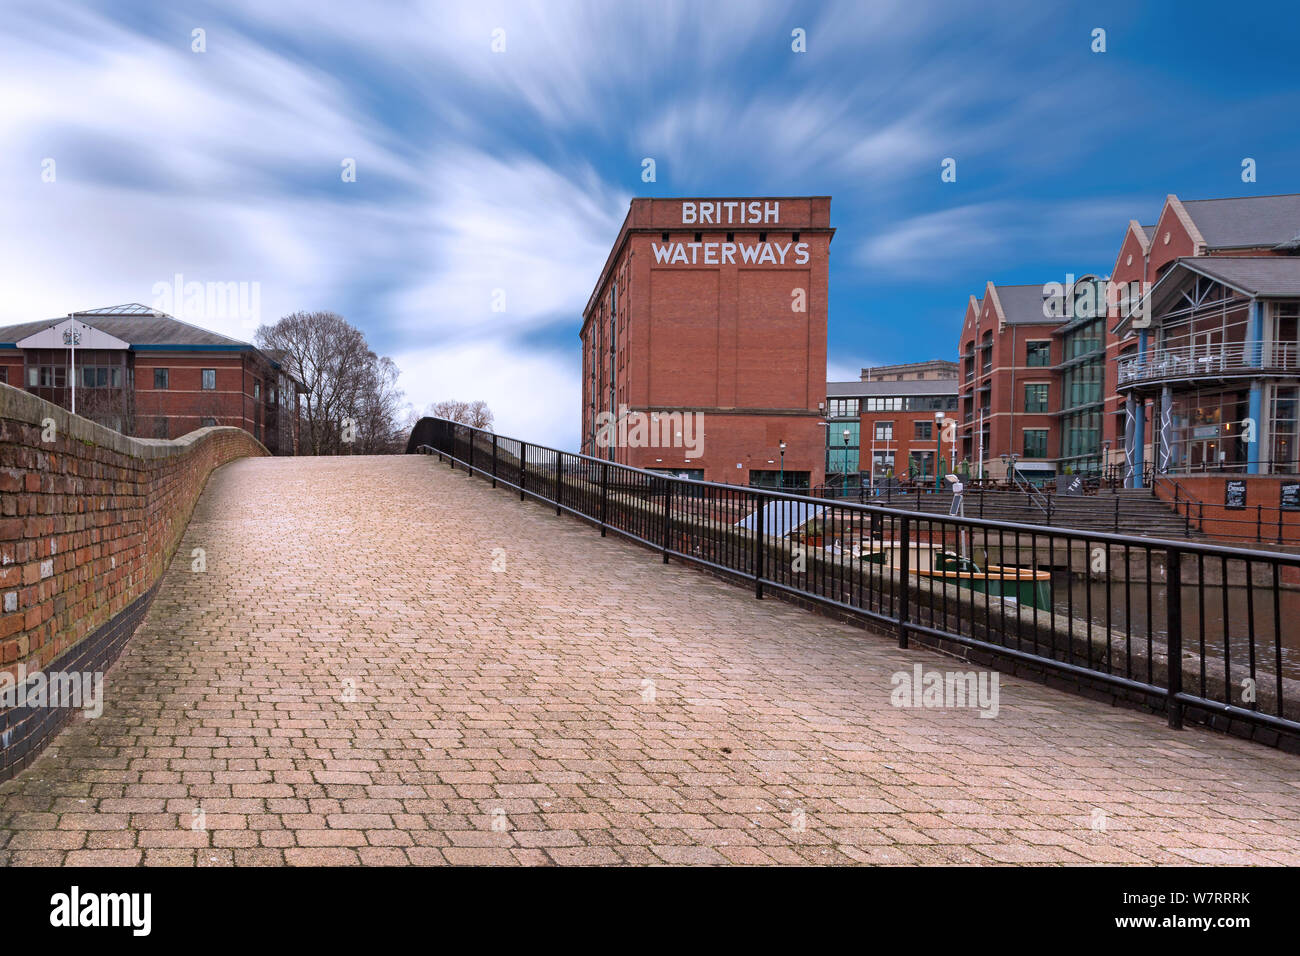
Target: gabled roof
1266, 277
1024, 305
133, 323
1246, 222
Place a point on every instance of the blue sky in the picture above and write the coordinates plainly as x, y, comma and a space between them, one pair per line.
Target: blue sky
479, 170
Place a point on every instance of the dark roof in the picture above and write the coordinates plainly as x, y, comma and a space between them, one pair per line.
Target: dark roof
1251, 221
1023, 305
933, 386
134, 323
1266, 276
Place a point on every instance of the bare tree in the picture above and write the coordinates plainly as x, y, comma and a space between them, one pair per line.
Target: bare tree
380, 418
352, 404
476, 414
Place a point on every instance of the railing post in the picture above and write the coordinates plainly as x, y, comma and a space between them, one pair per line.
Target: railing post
759, 548
469, 456
523, 468
1259, 523
904, 579
1117, 514
494, 459
668, 515
604, 497
559, 456
1174, 643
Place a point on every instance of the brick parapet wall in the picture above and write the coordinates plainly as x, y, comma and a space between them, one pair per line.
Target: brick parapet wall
88, 520
1262, 520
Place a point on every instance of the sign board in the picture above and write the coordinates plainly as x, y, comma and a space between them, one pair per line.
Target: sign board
1234, 494
1291, 496
1069, 484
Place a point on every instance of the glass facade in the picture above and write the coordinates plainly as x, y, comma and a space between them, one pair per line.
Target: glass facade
1083, 371
1284, 442
1207, 432
842, 458
1035, 443
772, 478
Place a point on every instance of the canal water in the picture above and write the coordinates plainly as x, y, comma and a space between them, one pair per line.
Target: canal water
1223, 610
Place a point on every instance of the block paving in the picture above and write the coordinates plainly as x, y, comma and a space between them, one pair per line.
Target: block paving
387, 662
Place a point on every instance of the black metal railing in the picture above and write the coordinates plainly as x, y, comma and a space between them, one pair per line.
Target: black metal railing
1261, 523
1103, 609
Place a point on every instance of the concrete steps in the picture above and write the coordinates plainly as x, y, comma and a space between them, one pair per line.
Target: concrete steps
1128, 512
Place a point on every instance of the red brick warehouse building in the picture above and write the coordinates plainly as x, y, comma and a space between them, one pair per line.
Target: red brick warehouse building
144, 373
715, 309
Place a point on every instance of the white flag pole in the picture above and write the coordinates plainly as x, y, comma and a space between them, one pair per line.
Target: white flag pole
72, 341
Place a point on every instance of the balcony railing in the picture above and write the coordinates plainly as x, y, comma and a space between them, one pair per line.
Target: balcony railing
1192, 361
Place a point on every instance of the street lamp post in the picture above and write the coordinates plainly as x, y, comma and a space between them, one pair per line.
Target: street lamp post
782, 478
847, 433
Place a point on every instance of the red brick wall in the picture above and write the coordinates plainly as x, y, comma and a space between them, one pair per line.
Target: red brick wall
88, 520
1006, 417
1254, 523
716, 336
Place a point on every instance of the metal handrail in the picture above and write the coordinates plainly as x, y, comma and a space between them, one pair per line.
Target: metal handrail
723, 528
1036, 497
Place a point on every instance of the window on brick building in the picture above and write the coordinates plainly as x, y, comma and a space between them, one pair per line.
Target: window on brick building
160, 377
1035, 442
1036, 397
884, 431
160, 427
208, 422
257, 390
924, 431
209, 379
4, 375
1038, 353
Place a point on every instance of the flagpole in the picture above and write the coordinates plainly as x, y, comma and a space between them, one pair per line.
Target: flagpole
72, 341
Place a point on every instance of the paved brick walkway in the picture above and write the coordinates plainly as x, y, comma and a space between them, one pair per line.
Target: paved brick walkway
351, 681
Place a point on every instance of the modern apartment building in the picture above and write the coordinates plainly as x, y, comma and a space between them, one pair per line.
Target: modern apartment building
1191, 333
890, 424
1155, 367
1010, 390
1218, 357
